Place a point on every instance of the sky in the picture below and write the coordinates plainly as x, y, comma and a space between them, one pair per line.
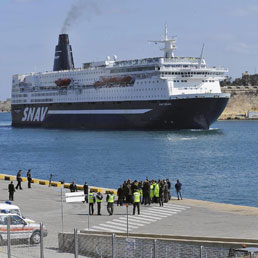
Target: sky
99, 28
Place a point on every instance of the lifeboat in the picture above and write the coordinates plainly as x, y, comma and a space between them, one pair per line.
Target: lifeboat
63, 82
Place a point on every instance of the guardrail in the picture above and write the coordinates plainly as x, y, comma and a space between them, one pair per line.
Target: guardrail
58, 184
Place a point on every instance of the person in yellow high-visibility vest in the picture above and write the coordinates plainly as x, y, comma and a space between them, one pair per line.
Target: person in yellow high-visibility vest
136, 201
99, 198
151, 192
156, 192
92, 200
110, 200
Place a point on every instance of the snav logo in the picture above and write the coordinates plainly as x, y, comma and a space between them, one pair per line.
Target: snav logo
34, 114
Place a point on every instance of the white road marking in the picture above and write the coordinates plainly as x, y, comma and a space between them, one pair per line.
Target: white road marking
179, 206
101, 228
156, 213
120, 224
131, 223
164, 211
151, 217
136, 220
111, 226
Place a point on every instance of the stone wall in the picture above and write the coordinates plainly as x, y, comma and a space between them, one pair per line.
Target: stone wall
242, 100
5, 106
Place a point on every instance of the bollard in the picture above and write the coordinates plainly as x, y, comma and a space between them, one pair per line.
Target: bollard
201, 251
8, 237
41, 241
75, 243
113, 246
154, 248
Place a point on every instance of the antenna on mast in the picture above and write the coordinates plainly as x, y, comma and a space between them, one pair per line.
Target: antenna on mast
201, 57
170, 44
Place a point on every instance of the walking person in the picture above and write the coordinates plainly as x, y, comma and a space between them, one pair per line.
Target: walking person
92, 201
99, 198
136, 201
178, 187
110, 201
166, 194
29, 178
19, 180
11, 191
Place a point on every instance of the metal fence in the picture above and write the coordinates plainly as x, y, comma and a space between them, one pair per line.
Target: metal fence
105, 246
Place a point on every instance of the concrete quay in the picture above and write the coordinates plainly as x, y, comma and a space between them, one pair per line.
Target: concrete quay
193, 219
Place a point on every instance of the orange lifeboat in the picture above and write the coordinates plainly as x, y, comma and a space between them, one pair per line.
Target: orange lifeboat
63, 82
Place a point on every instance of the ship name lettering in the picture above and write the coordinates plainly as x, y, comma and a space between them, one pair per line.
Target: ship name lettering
34, 114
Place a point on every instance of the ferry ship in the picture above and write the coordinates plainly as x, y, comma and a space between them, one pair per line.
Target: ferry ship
161, 93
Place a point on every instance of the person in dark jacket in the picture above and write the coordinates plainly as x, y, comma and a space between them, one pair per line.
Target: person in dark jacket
73, 187
120, 194
146, 192
19, 180
11, 191
178, 187
29, 178
161, 193
169, 187
99, 198
166, 195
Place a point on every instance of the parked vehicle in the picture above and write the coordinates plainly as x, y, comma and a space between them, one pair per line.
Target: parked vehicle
20, 229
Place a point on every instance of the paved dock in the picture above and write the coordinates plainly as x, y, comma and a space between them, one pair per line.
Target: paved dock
181, 218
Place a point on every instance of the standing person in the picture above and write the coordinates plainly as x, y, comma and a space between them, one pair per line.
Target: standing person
29, 178
92, 201
99, 198
86, 190
178, 187
50, 180
161, 193
73, 187
120, 195
136, 201
151, 191
156, 192
19, 180
146, 192
169, 187
110, 201
165, 191
11, 191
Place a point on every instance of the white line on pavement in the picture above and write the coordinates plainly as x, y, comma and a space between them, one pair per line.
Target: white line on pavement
111, 226
101, 228
119, 224
131, 223
135, 220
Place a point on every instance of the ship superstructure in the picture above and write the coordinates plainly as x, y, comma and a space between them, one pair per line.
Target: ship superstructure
152, 93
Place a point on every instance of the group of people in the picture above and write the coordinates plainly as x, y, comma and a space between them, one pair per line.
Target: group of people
12, 188
136, 193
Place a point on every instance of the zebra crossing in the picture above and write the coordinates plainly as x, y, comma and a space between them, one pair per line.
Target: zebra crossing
148, 216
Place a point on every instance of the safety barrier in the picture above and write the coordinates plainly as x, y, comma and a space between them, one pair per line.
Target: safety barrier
93, 189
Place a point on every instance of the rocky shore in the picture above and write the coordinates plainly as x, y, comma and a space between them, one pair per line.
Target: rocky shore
243, 103
5, 106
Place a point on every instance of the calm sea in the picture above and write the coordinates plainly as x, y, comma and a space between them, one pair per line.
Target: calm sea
220, 164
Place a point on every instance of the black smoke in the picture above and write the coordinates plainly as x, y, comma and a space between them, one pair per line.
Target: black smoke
79, 9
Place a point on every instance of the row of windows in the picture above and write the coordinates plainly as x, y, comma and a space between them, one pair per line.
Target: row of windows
19, 101
19, 95
43, 94
41, 100
189, 73
208, 81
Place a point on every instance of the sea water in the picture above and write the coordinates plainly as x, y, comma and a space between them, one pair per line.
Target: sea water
220, 164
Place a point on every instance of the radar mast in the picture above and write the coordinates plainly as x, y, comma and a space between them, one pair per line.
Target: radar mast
169, 44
